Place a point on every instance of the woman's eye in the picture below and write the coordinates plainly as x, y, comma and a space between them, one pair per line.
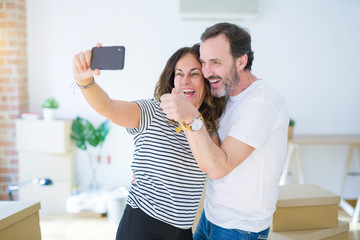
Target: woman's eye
178, 74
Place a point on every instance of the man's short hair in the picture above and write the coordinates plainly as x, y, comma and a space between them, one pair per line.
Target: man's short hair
239, 39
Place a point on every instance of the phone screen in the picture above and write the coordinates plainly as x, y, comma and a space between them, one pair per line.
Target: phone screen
108, 58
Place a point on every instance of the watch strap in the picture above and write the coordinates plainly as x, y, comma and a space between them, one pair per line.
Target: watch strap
184, 125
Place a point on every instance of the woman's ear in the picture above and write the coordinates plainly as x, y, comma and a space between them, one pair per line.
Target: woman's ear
241, 62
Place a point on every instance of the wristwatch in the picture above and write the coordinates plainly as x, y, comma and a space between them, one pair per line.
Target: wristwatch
197, 124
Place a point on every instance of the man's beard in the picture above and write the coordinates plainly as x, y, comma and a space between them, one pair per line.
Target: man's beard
229, 83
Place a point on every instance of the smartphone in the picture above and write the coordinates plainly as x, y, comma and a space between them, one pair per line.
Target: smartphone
107, 58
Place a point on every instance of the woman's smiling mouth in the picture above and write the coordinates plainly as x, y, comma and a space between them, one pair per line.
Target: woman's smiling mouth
189, 92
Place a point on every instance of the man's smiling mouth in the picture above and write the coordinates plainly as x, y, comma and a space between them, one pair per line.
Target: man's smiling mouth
214, 82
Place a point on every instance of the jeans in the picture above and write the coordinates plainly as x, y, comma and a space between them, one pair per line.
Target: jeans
207, 231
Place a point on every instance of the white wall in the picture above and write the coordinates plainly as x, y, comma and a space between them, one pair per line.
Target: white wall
308, 50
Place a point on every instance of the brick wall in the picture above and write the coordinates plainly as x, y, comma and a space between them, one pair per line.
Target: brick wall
13, 86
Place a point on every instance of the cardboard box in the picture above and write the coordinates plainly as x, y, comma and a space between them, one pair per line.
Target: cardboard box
43, 136
19, 220
305, 207
338, 233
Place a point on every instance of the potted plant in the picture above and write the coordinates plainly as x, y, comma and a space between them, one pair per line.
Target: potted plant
49, 106
86, 136
291, 128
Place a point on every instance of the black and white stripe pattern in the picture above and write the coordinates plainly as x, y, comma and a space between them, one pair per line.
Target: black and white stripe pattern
168, 182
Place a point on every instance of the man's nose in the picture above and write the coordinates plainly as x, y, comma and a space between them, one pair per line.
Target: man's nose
206, 71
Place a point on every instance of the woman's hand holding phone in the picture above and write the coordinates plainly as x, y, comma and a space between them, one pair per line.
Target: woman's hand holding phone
83, 74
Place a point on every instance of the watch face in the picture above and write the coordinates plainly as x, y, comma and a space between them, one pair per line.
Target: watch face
197, 124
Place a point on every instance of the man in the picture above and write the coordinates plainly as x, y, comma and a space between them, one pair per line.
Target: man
245, 170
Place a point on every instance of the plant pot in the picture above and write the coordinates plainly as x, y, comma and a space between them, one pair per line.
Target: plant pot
290, 132
49, 114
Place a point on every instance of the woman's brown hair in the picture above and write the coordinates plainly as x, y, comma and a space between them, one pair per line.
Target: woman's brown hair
211, 108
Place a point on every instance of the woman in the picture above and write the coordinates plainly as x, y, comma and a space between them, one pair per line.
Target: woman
167, 186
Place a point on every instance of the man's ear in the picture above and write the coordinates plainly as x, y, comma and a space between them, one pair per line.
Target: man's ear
241, 62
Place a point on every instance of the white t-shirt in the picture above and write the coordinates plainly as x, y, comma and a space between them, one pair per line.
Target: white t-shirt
246, 198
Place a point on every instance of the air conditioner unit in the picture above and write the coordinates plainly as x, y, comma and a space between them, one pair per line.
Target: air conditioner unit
219, 10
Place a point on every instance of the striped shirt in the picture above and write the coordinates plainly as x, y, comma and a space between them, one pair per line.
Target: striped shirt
168, 182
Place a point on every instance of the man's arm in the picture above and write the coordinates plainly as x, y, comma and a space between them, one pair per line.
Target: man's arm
217, 161
214, 160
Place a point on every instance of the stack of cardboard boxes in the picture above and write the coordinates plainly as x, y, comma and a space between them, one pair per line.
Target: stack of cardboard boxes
307, 212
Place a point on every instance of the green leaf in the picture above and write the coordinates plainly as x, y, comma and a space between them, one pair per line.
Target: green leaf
83, 132
50, 103
94, 138
291, 122
104, 130
77, 133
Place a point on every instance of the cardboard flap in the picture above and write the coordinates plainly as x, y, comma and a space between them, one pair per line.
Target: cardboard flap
310, 234
305, 195
14, 211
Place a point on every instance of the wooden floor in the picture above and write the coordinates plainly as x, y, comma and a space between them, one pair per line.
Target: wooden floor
90, 227
354, 233
75, 227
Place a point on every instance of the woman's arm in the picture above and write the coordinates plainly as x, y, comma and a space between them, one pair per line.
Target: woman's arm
123, 113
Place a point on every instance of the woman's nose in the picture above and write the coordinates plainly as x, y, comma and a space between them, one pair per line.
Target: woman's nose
186, 79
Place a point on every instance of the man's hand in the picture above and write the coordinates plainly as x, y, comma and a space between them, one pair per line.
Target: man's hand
177, 107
